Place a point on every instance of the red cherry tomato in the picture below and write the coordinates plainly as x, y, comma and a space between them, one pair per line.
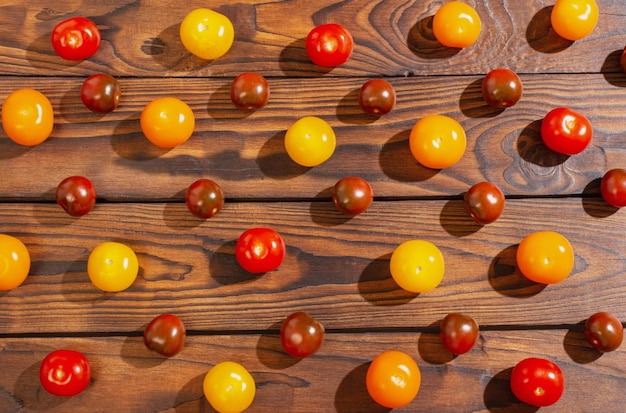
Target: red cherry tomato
393, 379
101, 93
537, 381
65, 373
27, 117
502, 88
204, 198
165, 335
301, 335
458, 333
76, 195
377, 97
352, 195
484, 202
604, 331
76, 38
260, 250
250, 91
14, 262
613, 187
566, 131
329, 45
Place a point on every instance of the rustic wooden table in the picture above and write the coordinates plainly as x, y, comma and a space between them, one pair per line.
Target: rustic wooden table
336, 269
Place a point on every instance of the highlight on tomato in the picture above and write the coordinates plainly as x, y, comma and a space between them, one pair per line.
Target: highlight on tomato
437, 141
167, 122
310, 141
537, 381
207, 34
545, 257
229, 387
27, 117
417, 266
566, 131
456, 24
14, 262
112, 266
65, 373
76, 38
393, 379
329, 45
574, 19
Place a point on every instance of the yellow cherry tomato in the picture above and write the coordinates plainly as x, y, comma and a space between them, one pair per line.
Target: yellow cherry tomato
417, 266
456, 24
393, 379
574, 19
310, 141
437, 141
167, 122
545, 257
112, 266
207, 33
27, 117
14, 262
229, 387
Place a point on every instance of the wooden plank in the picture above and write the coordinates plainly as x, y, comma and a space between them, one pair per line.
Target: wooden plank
245, 153
335, 268
392, 38
128, 378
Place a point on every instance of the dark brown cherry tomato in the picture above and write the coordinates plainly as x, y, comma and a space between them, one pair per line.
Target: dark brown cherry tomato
249, 91
101, 93
76, 38
458, 332
604, 331
76, 195
352, 195
502, 88
613, 187
260, 250
329, 45
484, 202
537, 381
301, 335
204, 198
566, 131
65, 373
165, 335
622, 60
377, 97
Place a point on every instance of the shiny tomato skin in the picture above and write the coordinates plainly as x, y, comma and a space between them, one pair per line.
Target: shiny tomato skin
456, 24
393, 379
229, 387
377, 97
537, 381
65, 373
310, 141
101, 93
458, 332
613, 187
204, 198
112, 266
76, 38
566, 131
250, 91
417, 266
206, 33
165, 335
301, 335
604, 331
545, 257
167, 122
437, 141
260, 250
574, 19
14, 262
484, 202
502, 88
76, 195
27, 117
352, 195
329, 45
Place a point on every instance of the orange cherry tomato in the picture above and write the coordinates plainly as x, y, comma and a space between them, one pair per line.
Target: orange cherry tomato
456, 24
27, 117
167, 122
437, 141
393, 379
14, 262
574, 19
545, 257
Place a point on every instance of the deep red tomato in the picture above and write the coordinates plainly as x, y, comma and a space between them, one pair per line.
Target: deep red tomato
502, 88
458, 332
329, 45
537, 381
352, 195
65, 373
377, 97
165, 335
301, 335
76, 38
101, 93
260, 250
76, 195
250, 91
204, 198
484, 202
566, 131
604, 331
613, 187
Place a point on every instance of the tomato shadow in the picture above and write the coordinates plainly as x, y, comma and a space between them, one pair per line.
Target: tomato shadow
612, 70
455, 220
323, 211
168, 51
540, 35
73, 109
270, 351
295, 62
352, 396
224, 268
190, 398
274, 161
577, 347
422, 42
472, 103
177, 216
28, 393
136, 354
349, 111
499, 398
531, 148
378, 287
221, 107
593, 203
129, 142
397, 162
506, 279
10, 149
431, 348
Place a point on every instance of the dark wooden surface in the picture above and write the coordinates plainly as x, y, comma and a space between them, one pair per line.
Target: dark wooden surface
336, 268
